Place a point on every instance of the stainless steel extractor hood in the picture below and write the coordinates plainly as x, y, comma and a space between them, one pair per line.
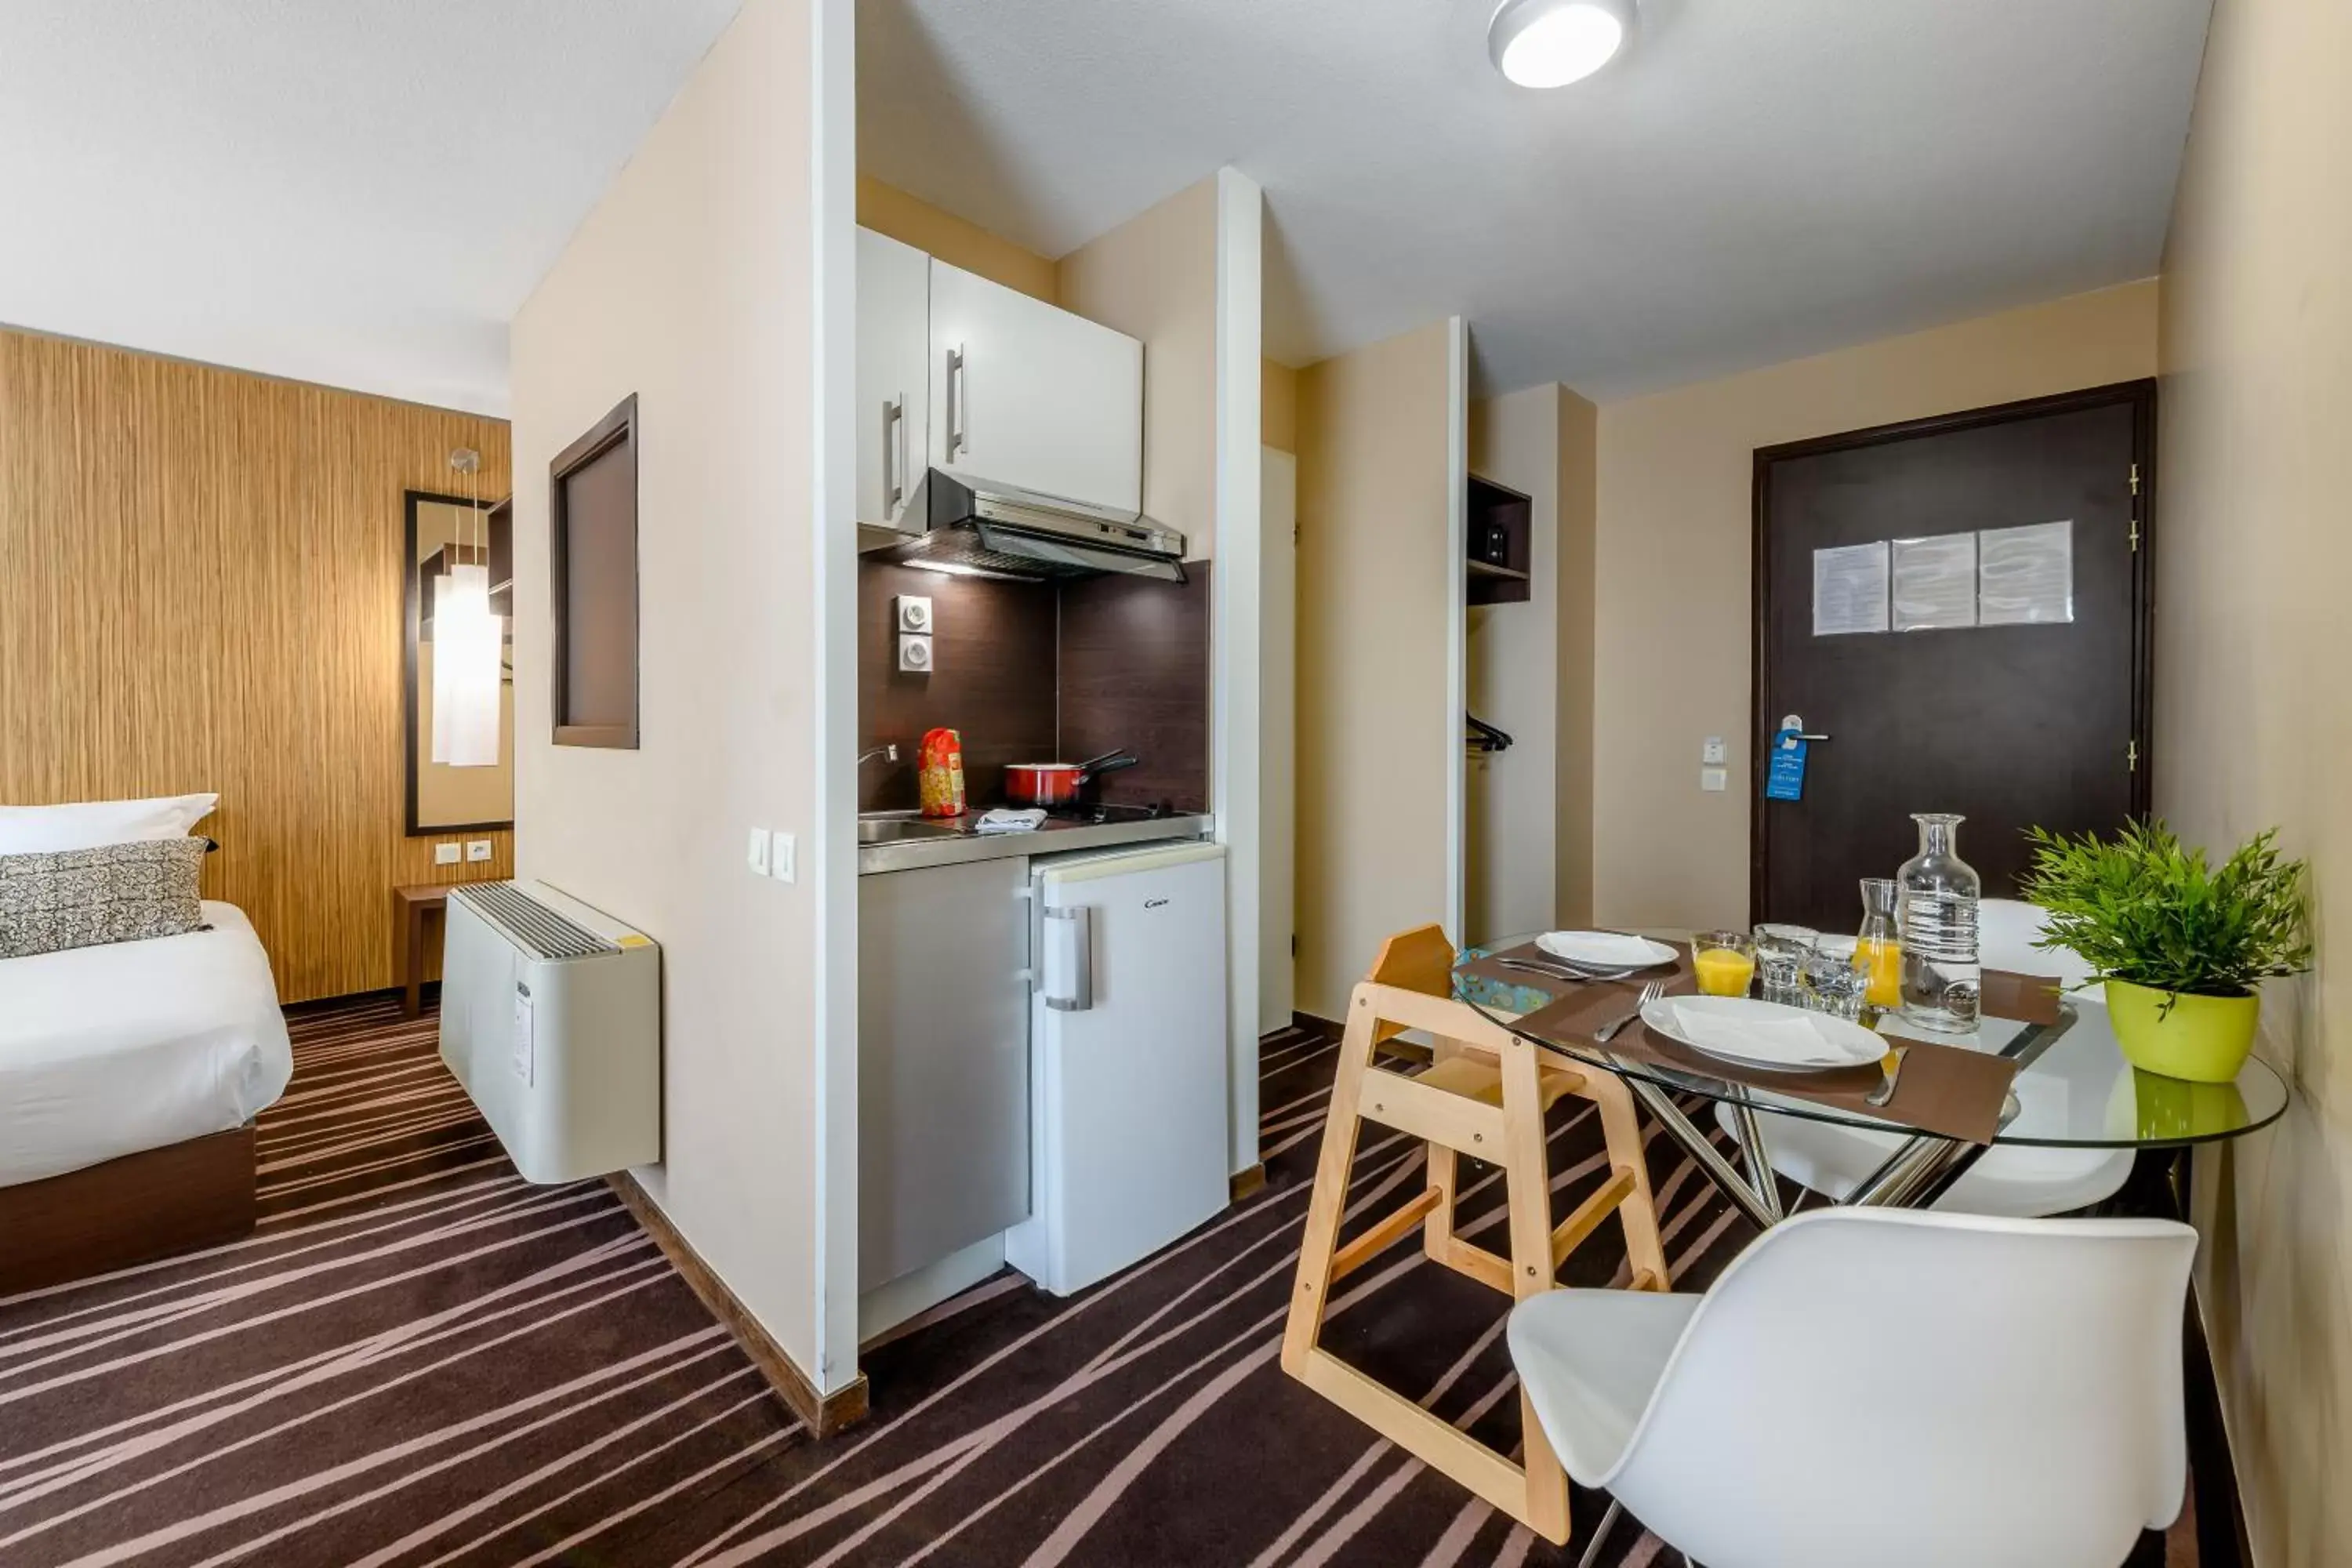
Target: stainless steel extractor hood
1009, 532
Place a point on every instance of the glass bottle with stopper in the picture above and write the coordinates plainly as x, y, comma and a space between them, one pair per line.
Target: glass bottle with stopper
1942, 977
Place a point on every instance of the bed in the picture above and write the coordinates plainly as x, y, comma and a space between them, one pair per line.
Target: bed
130, 1076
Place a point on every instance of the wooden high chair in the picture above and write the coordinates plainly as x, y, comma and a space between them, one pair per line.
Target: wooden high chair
1484, 1096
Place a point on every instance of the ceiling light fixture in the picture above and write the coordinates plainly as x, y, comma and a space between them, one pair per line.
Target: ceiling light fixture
1550, 43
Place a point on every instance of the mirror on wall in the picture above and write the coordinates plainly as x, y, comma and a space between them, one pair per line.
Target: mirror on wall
459, 716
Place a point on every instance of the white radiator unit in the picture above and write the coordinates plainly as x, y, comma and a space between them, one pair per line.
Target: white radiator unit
550, 1017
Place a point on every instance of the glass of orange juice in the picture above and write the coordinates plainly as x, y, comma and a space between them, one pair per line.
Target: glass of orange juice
1724, 961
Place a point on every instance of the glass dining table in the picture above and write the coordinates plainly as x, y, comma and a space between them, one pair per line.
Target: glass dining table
2073, 1090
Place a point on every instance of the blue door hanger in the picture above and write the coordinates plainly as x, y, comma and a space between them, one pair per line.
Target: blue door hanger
1784, 776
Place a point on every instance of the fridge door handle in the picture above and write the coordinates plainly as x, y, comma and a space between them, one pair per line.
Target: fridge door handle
1070, 959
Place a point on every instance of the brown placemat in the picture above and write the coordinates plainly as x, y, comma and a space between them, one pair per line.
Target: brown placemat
1949, 1090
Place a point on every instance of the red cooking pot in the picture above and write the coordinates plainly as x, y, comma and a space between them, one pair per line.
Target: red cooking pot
1057, 783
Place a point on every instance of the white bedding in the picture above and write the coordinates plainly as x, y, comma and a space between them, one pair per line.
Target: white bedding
106, 1051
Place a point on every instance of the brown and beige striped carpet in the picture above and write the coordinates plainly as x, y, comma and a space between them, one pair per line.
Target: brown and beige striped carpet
419, 1359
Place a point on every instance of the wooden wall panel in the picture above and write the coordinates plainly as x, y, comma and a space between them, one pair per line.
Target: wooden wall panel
200, 589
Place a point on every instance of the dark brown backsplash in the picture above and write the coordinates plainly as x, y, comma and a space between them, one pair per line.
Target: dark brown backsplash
1040, 672
1135, 674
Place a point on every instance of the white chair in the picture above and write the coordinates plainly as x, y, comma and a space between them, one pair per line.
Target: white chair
2017, 1180
1873, 1386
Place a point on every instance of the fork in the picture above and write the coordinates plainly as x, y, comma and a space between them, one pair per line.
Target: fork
1886, 1092
1650, 993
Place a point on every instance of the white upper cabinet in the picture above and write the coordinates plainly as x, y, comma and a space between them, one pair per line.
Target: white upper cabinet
1033, 397
894, 381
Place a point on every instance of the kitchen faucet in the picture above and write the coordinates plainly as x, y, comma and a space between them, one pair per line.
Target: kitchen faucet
887, 753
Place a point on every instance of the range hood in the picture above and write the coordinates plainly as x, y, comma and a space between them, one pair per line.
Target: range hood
1006, 533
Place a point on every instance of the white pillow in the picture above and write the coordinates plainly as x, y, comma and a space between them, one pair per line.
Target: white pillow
88, 824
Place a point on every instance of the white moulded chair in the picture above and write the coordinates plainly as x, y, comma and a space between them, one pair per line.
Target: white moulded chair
1864, 1387
2017, 1180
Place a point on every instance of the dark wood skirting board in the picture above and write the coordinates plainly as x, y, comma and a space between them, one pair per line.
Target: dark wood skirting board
129, 1210
1249, 1184
822, 1414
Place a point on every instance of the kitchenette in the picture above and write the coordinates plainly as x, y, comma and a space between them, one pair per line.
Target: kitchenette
1042, 953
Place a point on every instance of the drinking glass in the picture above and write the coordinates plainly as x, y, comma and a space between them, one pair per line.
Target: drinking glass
1877, 948
1835, 977
1724, 961
1780, 959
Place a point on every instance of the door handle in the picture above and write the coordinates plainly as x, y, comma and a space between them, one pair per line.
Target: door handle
1070, 959
958, 437
894, 456
1794, 723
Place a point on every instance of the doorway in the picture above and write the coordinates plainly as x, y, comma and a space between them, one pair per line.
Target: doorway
1955, 612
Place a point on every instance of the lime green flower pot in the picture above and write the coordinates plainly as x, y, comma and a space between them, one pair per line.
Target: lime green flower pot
2205, 1039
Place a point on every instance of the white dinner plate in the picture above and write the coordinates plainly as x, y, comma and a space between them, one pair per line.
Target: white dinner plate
1605, 949
1763, 1034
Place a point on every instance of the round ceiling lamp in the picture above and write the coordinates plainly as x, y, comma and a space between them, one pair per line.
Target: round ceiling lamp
1550, 43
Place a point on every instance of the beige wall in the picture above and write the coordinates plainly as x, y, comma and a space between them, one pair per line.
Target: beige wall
1672, 542
690, 285
1514, 674
1577, 588
2254, 722
1279, 406
1374, 590
1155, 277
888, 210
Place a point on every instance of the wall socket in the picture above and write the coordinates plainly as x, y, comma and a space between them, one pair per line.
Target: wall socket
477, 849
915, 653
446, 854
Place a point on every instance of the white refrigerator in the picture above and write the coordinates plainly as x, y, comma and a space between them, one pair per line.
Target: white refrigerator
1128, 1058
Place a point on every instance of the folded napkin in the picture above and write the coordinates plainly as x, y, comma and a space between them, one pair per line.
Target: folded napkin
1794, 1041
1003, 821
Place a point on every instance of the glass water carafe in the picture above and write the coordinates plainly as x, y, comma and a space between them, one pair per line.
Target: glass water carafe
1938, 891
1877, 951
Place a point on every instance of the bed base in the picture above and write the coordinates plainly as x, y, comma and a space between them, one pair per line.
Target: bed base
129, 1210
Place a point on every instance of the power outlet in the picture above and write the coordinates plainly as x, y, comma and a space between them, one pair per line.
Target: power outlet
446, 854
477, 849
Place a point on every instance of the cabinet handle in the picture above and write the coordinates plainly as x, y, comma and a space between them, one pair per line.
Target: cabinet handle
959, 440
1078, 925
894, 456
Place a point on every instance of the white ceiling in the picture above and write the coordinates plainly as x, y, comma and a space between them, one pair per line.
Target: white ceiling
1755, 180
354, 192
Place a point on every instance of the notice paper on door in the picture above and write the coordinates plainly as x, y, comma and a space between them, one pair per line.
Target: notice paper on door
1936, 582
2026, 575
1850, 590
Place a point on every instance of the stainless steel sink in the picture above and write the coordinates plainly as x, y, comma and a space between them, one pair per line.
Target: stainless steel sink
899, 829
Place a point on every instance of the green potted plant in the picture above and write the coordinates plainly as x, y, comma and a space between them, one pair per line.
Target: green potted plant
2179, 944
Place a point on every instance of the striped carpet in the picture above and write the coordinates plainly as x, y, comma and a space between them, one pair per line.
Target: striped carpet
418, 1359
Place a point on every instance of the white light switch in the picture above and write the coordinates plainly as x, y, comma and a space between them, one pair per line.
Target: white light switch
446, 854
782, 860
757, 855
1714, 780
1711, 752
477, 849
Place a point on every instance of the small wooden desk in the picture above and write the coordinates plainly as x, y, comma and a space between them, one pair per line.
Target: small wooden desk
410, 906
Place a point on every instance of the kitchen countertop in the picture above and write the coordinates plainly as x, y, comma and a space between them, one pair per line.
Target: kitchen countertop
1054, 837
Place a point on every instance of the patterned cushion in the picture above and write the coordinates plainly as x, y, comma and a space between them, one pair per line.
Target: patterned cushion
87, 897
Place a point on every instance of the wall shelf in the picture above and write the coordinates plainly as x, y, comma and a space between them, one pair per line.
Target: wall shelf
1500, 563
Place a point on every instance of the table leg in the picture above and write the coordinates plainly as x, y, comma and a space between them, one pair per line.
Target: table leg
1697, 1145
1757, 1158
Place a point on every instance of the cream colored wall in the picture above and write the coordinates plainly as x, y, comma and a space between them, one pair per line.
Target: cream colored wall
1576, 586
2254, 718
1674, 536
1374, 591
1279, 406
1155, 277
1513, 676
690, 285
888, 210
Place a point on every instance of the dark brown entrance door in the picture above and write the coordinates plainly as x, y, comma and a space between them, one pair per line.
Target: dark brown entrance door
2010, 724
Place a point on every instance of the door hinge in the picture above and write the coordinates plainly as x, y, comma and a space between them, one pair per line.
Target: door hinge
2135, 478
2131, 756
